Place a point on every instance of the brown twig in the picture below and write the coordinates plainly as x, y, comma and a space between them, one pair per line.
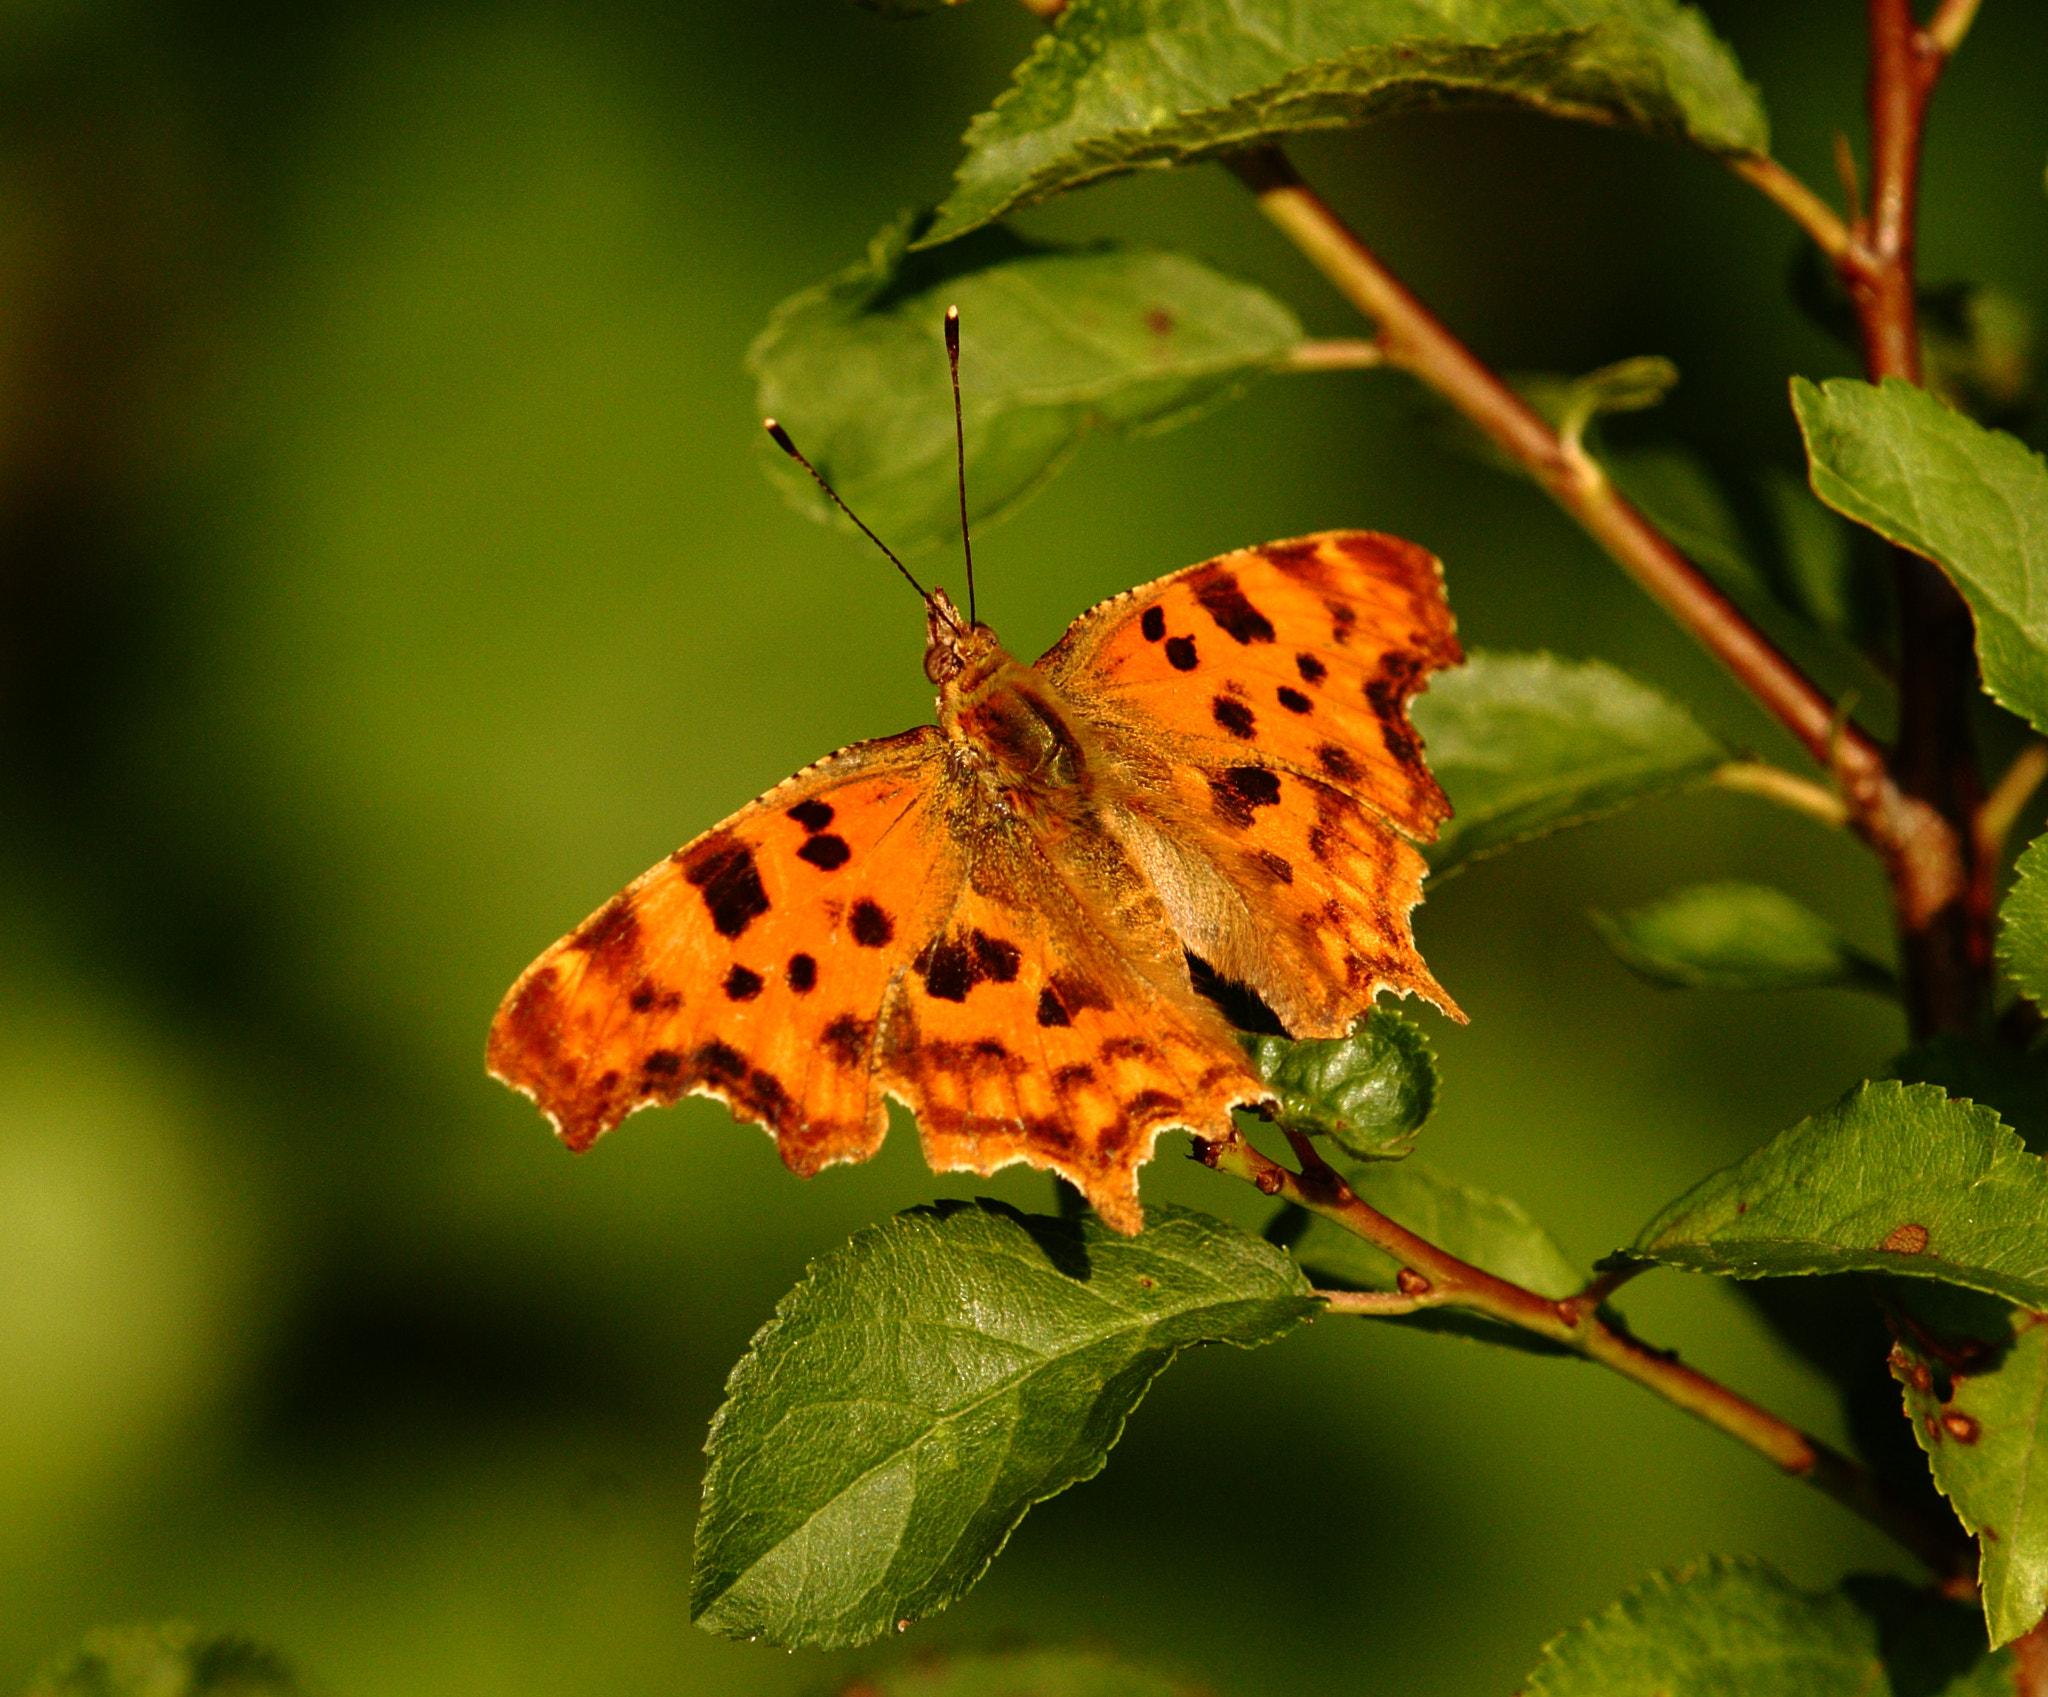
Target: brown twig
1415, 340
2030, 1663
1433, 1277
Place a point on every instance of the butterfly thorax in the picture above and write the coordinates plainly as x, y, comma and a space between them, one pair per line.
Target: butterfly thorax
1007, 728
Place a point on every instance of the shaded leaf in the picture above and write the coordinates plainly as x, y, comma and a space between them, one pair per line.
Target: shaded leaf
1525, 744
1369, 1093
1894, 1178
1975, 1373
1820, 575
1475, 1225
1120, 84
1020, 1673
2011, 1082
928, 1382
1734, 936
1741, 1629
165, 1660
1682, 498
1054, 342
1974, 501
2023, 923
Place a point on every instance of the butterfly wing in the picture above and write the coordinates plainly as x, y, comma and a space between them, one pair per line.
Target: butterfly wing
752, 965
1262, 698
1051, 1019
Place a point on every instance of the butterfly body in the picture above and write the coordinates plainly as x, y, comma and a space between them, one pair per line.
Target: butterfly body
989, 919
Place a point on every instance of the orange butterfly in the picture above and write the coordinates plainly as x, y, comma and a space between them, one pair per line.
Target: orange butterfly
989, 919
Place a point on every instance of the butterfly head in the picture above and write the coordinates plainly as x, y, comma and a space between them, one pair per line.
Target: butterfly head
953, 645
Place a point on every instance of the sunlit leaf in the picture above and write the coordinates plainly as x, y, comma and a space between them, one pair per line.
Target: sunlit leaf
1369, 1093
1120, 84
1894, 1178
1054, 342
1974, 501
1975, 1372
931, 1380
1525, 744
1740, 1629
2023, 923
1733, 936
1475, 1225
165, 1660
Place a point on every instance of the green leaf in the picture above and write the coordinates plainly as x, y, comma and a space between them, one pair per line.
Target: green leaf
165, 1660
1683, 499
1020, 1673
931, 1380
1894, 1178
1734, 936
1975, 1372
1054, 342
2023, 923
1741, 1629
1120, 84
1974, 501
1525, 744
1369, 1093
2013, 1083
1475, 1225
1819, 575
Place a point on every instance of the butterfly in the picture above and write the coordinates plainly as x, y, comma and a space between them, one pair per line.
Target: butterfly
990, 919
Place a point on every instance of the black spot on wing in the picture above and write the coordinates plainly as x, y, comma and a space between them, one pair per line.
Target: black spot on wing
741, 984
947, 967
1337, 762
720, 1062
1153, 623
801, 974
1293, 700
1234, 716
1180, 653
1240, 790
827, 852
1049, 1010
871, 926
613, 933
663, 1063
812, 815
1312, 670
723, 871
847, 1039
1274, 866
996, 959
1224, 602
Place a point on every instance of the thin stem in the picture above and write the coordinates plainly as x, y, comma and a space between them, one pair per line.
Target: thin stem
1353, 353
1046, 9
1830, 232
1942, 910
1380, 1302
1950, 23
1438, 1278
1414, 339
2010, 794
1787, 789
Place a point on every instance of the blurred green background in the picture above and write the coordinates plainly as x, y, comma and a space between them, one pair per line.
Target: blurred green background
388, 577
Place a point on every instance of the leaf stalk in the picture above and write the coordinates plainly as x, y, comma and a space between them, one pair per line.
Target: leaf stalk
1575, 1323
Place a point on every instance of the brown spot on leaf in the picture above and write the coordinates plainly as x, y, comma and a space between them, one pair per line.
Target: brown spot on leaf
1159, 321
1908, 1239
1961, 1428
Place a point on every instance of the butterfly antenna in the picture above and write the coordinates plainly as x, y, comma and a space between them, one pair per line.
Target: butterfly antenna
780, 437
960, 448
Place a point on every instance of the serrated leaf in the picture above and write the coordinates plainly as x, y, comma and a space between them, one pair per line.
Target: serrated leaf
1975, 1375
1120, 84
1894, 1178
1740, 1629
928, 1382
1054, 342
1021, 1673
169, 1659
1490, 1231
1972, 500
1526, 744
1369, 1093
2013, 1083
1735, 936
2023, 923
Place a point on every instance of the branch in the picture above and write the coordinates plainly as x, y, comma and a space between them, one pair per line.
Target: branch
1353, 353
1432, 1277
1414, 339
